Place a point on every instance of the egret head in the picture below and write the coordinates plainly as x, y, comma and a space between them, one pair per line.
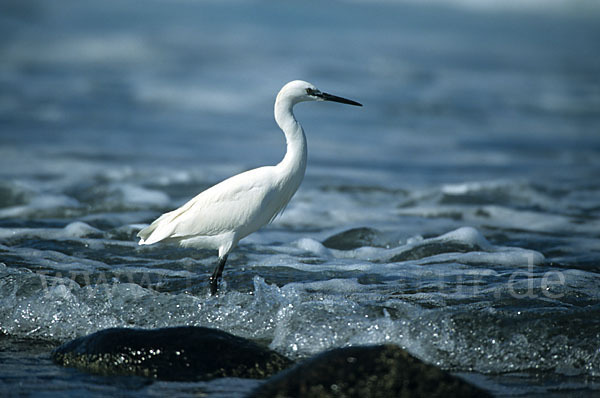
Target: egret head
299, 91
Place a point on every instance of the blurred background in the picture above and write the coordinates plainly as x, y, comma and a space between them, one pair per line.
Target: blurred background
507, 87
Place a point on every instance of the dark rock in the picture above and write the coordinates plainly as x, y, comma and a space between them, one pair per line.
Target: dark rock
353, 239
177, 354
431, 249
377, 371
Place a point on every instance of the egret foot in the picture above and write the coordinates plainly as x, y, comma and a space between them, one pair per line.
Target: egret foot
214, 279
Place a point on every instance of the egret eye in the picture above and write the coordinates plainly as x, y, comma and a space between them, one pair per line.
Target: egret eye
313, 92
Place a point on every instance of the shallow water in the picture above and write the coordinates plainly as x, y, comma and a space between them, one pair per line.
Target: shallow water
456, 214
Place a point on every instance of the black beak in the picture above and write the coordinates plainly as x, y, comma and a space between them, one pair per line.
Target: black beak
335, 98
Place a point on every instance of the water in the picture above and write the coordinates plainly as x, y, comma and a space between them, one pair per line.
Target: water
456, 214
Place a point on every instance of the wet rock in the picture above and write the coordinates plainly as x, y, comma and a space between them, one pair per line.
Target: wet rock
461, 240
377, 371
175, 354
431, 249
353, 239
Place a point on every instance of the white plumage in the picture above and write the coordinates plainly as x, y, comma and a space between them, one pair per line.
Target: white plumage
238, 206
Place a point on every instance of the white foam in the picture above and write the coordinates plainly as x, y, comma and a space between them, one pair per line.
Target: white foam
501, 217
53, 260
79, 229
330, 286
375, 260
483, 251
131, 194
468, 187
39, 204
331, 210
313, 246
466, 235
76, 229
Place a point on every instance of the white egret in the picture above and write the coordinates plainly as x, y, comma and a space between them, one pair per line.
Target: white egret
220, 216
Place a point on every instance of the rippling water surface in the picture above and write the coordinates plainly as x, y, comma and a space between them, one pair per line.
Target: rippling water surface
456, 214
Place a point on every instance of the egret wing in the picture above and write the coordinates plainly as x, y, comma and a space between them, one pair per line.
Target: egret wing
238, 203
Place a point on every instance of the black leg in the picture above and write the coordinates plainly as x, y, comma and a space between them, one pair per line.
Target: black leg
214, 279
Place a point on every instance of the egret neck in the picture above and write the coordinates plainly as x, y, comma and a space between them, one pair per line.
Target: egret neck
293, 165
